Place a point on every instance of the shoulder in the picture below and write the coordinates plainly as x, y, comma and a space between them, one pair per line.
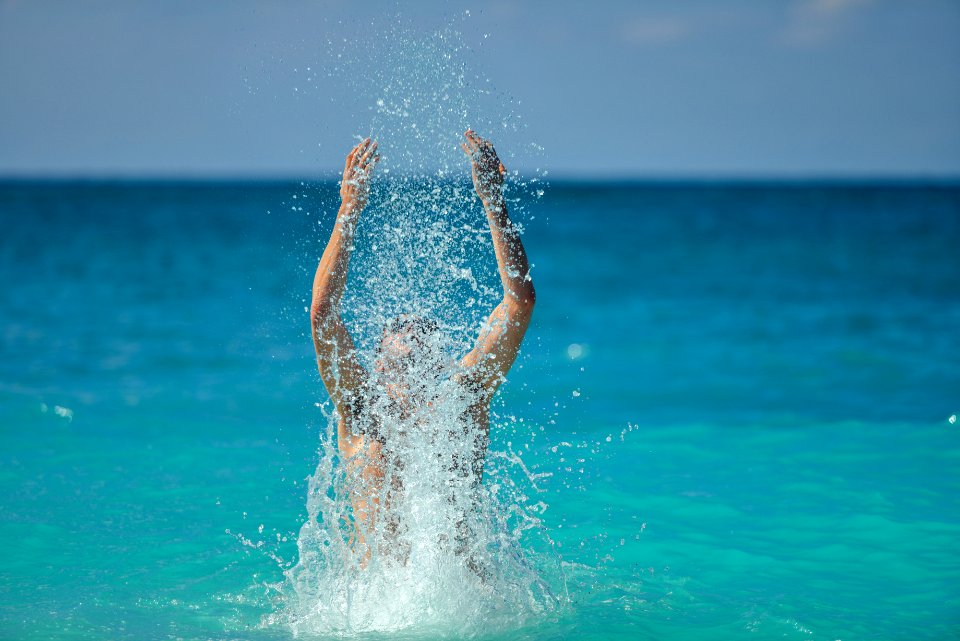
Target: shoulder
470, 375
355, 430
477, 392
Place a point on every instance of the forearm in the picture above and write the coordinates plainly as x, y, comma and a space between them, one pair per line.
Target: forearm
330, 279
512, 260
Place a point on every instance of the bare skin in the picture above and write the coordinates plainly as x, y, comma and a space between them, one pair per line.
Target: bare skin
481, 371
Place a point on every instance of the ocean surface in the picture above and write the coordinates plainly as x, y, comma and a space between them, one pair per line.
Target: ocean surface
746, 395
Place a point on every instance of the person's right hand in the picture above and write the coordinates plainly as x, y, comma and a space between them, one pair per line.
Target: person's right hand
355, 186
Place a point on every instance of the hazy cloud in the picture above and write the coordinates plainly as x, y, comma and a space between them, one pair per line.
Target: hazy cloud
700, 88
813, 22
653, 31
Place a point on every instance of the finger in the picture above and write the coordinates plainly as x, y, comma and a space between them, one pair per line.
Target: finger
466, 150
473, 142
350, 156
361, 149
474, 137
482, 143
471, 145
370, 151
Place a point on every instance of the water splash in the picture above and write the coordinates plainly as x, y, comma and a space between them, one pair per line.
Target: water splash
454, 547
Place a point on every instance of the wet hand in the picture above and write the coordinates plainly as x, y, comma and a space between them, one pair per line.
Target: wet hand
488, 171
355, 186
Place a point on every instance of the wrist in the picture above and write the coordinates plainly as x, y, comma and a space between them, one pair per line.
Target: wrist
349, 209
500, 222
493, 202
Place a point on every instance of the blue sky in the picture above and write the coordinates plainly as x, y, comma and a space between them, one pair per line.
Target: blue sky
765, 88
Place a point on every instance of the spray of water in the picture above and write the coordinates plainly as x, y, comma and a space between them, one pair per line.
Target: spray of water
456, 547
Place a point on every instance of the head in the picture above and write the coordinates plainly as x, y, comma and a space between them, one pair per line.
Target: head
409, 356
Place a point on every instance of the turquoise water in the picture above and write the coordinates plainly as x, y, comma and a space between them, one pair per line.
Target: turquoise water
745, 393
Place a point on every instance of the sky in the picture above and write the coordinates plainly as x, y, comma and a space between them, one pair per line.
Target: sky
607, 89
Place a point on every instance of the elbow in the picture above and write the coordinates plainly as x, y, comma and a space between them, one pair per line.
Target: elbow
321, 312
529, 297
523, 298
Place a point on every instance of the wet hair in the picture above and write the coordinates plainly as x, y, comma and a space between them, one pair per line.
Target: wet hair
420, 331
417, 326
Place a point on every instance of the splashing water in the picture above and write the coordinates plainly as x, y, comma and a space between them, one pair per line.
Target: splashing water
454, 546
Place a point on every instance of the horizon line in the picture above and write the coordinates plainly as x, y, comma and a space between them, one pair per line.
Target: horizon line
912, 178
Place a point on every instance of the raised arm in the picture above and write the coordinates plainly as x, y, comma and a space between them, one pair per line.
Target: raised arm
342, 374
499, 341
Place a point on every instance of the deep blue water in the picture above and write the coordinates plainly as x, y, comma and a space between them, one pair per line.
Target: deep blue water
775, 367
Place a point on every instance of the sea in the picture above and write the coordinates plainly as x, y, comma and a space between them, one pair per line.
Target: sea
737, 402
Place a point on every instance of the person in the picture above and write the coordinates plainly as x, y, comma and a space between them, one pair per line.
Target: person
407, 352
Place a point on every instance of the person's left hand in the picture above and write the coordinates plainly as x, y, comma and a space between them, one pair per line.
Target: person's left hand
488, 171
